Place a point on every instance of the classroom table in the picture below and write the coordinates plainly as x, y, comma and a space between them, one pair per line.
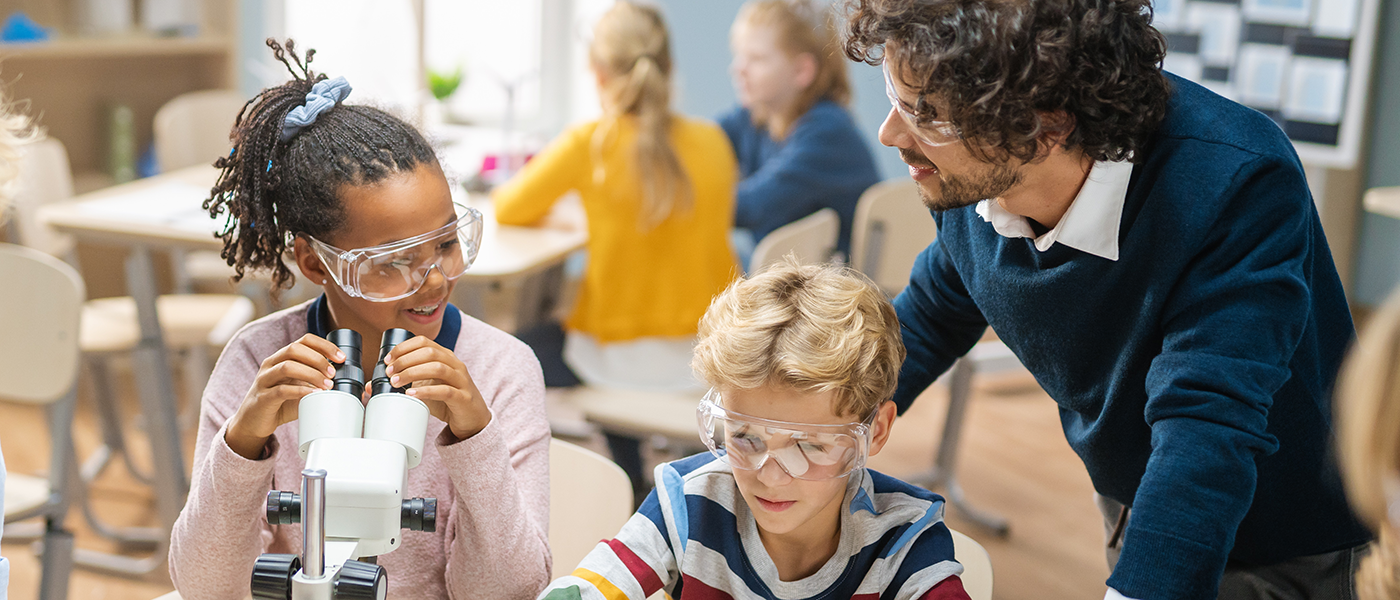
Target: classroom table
163, 213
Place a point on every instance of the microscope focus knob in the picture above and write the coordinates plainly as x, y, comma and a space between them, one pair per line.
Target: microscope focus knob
283, 508
272, 576
419, 514
360, 580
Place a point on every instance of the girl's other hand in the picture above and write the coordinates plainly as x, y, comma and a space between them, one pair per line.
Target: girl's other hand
436, 376
304, 366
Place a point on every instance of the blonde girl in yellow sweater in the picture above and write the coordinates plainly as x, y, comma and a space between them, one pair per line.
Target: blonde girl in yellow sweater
658, 191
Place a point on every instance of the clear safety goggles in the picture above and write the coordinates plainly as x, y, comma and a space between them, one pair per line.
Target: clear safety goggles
803, 451
396, 270
931, 133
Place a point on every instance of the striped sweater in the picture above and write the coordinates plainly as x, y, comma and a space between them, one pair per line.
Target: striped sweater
695, 538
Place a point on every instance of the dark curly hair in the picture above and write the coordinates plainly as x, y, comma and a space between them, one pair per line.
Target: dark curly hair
1007, 68
274, 189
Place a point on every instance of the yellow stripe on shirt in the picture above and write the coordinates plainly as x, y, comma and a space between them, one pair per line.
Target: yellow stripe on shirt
605, 587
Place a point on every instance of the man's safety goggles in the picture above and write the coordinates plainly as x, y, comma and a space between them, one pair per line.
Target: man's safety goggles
931, 133
803, 451
396, 270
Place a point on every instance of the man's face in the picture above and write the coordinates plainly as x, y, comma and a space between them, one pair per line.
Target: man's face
948, 174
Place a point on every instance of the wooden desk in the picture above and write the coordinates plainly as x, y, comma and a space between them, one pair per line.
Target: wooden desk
164, 212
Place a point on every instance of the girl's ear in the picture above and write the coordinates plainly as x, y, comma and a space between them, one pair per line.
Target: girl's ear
805, 73
310, 265
880, 429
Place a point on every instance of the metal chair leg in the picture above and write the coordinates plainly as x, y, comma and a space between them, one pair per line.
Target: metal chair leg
944, 473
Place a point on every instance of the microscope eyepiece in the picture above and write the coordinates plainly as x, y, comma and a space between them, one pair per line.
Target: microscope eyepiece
380, 383
349, 377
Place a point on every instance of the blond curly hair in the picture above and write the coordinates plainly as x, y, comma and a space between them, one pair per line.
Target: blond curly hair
15, 131
1368, 425
812, 328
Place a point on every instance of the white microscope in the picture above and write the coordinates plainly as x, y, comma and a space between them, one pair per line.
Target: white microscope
351, 504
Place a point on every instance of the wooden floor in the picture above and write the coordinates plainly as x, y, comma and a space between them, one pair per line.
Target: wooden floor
1014, 462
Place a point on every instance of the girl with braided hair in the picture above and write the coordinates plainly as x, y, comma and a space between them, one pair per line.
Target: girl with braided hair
357, 198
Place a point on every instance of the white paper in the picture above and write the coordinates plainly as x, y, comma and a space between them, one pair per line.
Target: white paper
1316, 90
1283, 12
1336, 18
1219, 28
1188, 66
1262, 73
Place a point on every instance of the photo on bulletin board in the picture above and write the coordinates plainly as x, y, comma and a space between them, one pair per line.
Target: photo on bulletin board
1317, 90
1282, 12
1262, 71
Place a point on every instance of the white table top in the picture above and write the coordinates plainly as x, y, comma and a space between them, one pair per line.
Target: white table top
164, 211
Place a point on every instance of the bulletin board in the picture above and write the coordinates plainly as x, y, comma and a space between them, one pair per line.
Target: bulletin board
1304, 63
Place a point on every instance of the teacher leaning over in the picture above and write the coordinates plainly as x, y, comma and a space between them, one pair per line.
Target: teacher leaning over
1150, 251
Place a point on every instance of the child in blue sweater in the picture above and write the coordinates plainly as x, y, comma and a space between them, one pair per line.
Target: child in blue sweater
799, 150
803, 360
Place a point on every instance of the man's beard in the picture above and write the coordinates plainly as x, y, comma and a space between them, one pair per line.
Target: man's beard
957, 191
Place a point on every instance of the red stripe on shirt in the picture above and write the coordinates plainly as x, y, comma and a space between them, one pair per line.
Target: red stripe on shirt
694, 589
641, 571
948, 589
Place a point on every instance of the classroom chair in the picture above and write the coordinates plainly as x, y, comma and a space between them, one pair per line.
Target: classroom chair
191, 324
42, 321
590, 498
977, 566
193, 128
892, 226
812, 239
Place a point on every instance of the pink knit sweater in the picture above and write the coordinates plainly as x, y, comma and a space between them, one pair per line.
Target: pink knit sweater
492, 489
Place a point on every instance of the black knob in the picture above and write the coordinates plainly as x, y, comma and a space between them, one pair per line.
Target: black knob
360, 580
283, 508
272, 576
419, 514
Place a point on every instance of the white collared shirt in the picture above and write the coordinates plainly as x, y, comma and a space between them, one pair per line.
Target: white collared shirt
1091, 222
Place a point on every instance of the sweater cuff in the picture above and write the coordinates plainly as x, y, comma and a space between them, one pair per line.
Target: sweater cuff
1156, 566
230, 468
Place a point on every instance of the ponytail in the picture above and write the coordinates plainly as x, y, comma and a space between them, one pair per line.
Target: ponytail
634, 38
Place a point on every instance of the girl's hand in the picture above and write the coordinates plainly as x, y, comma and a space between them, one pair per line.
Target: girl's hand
302, 367
436, 376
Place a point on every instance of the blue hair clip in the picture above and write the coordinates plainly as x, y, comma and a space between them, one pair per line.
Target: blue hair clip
324, 95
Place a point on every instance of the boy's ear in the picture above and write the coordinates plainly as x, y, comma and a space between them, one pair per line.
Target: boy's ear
310, 265
880, 429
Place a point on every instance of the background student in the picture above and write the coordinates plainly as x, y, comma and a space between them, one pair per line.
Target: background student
658, 191
323, 177
1368, 424
803, 361
799, 150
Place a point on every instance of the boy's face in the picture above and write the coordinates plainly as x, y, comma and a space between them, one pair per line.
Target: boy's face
781, 504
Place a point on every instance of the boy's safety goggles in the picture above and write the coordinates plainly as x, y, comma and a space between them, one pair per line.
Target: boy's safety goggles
931, 133
803, 451
396, 270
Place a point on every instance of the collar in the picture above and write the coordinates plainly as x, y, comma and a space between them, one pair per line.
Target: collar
318, 321
1091, 222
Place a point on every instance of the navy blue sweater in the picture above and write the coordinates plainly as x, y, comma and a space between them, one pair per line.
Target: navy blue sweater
823, 163
1194, 374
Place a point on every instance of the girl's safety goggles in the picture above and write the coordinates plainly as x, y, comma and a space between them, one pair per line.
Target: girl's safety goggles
803, 451
931, 133
396, 270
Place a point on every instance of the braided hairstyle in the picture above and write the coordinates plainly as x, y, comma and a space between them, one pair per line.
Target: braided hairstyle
274, 190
